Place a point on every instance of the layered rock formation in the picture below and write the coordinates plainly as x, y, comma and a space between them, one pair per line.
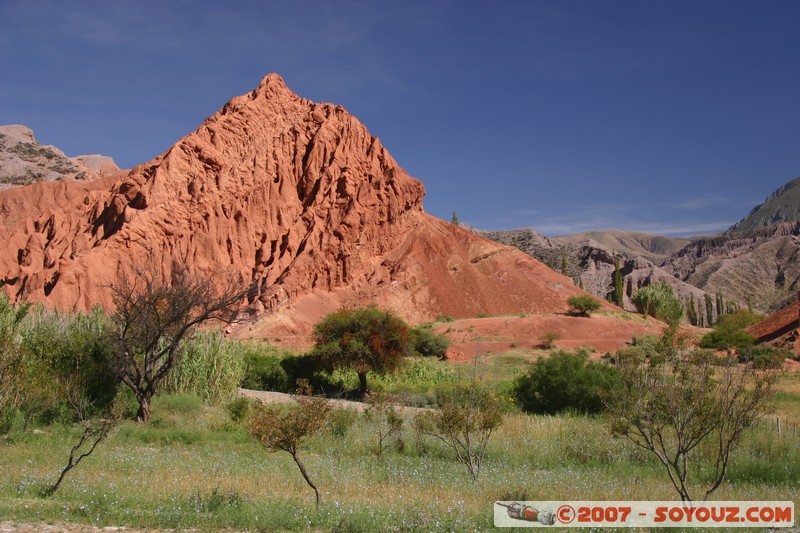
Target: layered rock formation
591, 263
761, 267
24, 161
293, 195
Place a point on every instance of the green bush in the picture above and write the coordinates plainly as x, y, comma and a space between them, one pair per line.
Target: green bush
210, 366
659, 301
723, 339
265, 370
238, 409
763, 357
729, 331
427, 343
68, 368
583, 305
564, 381
341, 420
650, 344
739, 319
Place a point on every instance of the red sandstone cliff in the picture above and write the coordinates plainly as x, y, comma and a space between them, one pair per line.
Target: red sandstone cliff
295, 195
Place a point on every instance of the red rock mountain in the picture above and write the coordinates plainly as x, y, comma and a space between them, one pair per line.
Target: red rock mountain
295, 195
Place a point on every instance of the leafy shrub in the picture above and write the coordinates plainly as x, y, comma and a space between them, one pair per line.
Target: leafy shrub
210, 366
583, 305
68, 373
629, 354
548, 339
739, 319
564, 381
763, 357
239, 409
649, 344
264, 370
341, 420
659, 301
426, 343
729, 331
723, 339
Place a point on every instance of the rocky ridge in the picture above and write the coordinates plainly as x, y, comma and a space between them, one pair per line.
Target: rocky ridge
761, 267
783, 205
591, 263
24, 161
294, 195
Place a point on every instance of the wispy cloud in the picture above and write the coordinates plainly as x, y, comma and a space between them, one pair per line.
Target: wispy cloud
703, 202
614, 216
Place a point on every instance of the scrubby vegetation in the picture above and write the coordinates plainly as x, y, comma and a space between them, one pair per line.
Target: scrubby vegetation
392, 467
659, 301
729, 331
564, 381
583, 305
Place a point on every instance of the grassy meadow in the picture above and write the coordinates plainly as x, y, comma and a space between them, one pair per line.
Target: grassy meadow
193, 466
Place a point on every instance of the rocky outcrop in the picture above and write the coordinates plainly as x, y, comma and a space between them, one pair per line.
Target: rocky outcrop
24, 161
294, 195
761, 267
781, 206
591, 264
654, 248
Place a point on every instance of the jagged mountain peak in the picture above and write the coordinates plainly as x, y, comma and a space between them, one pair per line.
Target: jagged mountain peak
294, 195
783, 205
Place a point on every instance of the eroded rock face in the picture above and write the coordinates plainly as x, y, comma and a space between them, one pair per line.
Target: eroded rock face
761, 267
273, 187
293, 195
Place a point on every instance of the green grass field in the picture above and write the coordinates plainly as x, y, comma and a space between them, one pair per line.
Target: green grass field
193, 467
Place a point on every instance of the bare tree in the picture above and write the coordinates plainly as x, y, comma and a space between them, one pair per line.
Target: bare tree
154, 314
388, 421
279, 431
669, 407
94, 432
465, 420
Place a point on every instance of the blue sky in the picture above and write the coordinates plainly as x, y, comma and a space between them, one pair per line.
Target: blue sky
672, 117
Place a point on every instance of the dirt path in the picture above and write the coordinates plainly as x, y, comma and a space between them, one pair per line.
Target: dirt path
281, 397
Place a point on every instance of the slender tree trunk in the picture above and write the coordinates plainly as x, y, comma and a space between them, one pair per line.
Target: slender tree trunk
362, 383
143, 414
302, 468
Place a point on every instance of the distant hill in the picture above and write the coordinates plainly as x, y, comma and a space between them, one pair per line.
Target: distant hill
631, 243
781, 206
761, 266
589, 259
755, 262
23, 161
